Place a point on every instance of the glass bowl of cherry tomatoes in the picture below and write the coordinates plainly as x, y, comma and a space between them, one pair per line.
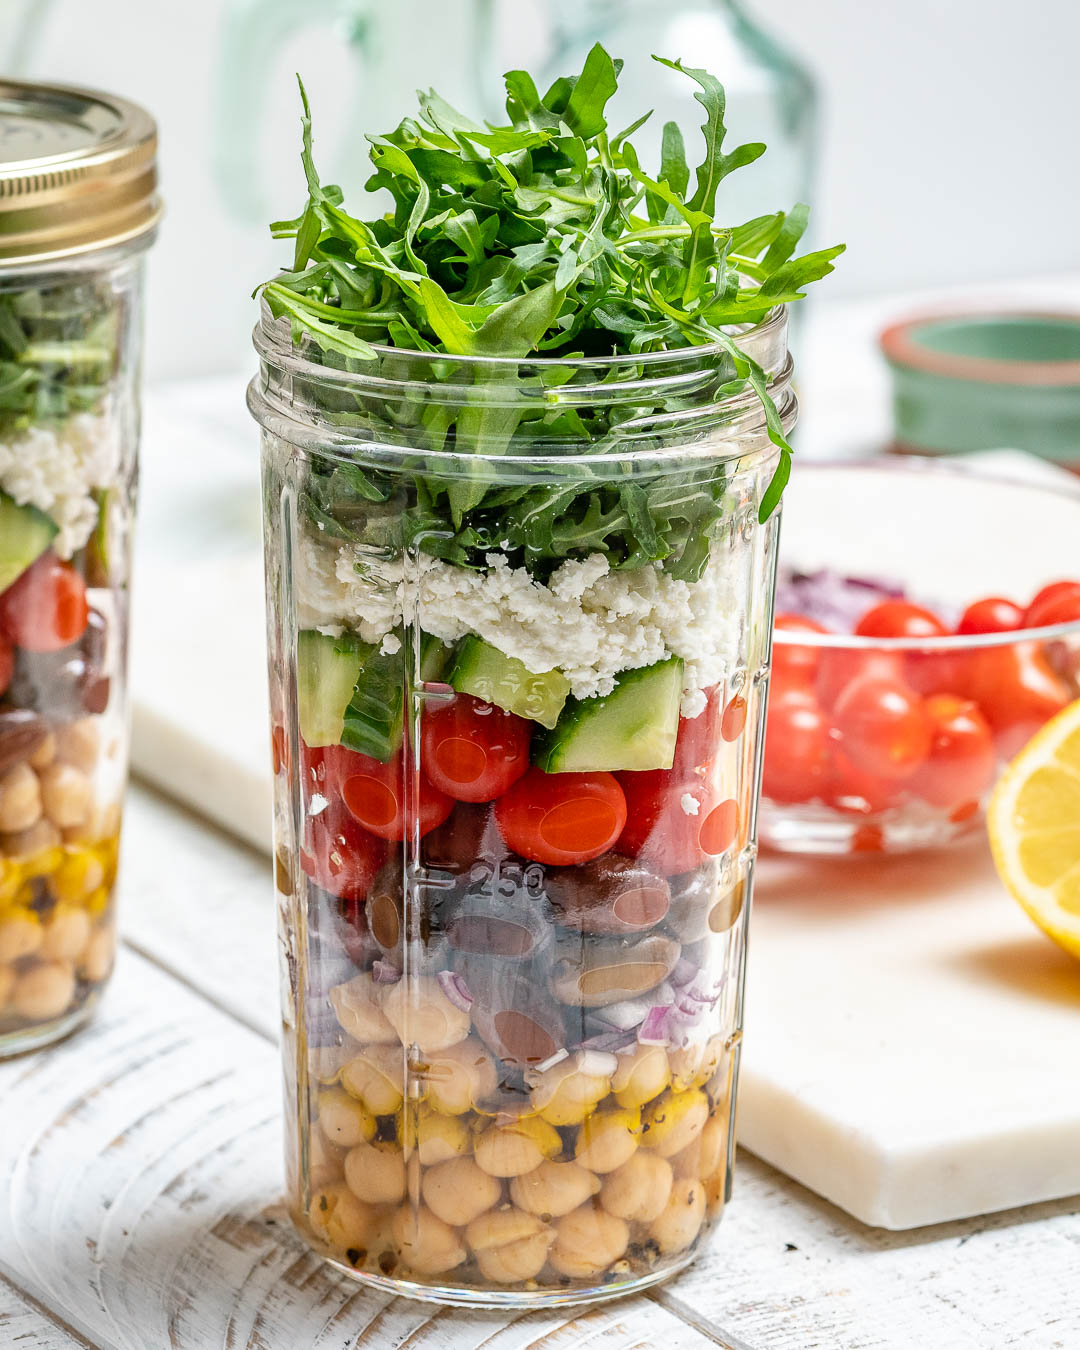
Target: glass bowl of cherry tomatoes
927, 626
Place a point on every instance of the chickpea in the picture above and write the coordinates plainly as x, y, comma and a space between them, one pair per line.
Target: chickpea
340, 1219
41, 838
680, 1222
21, 934
567, 1092
426, 1244
641, 1076
422, 1015
20, 799
514, 1149
7, 984
376, 1077
67, 795
587, 1242
459, 1076
639, 1189
696, 1064
357, 1010
324, 1161
553, 1189
78, 743
510, 1246
79, 874
459, 1192
608, 1139
701, 1158
325, 1062
376, 1173
97, 959
440, 1138
343, 1120
675, 1121
716, 1192
66, 933
44, 991
45, 753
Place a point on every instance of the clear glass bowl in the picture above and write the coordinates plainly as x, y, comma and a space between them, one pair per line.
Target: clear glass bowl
849, 767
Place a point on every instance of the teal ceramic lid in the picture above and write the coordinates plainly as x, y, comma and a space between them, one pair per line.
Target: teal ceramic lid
985, 381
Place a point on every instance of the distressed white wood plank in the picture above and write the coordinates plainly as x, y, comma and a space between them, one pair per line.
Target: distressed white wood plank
143, 1200
25, 1325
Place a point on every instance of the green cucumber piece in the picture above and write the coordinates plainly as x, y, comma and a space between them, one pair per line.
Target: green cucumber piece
435, 658
375, 717
327, 669
486, 673
25, 534
632, 728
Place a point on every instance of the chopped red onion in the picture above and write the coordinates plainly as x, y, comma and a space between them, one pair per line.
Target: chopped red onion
623, 1016
611, 1042
382, 972
685, 971
654, 1030
549, 1063
836, 602
455, 989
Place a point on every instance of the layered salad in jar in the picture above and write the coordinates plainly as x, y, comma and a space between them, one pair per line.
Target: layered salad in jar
65, 498
517, 697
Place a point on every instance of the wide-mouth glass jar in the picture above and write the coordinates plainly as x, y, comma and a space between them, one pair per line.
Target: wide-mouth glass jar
517, 771
78, 209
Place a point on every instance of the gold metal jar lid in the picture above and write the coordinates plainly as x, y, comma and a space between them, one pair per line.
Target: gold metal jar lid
77, 172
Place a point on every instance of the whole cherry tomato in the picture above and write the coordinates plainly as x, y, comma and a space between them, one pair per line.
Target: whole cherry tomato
7, 663
843, 666
1061, 607
1017, 690
46, 608
882, 728
795, 663
796, 747
854, 792
338, 855
673, 825
387, 799
995, 614
1048, 596
962, 760
472, 750
562, 818
900, 619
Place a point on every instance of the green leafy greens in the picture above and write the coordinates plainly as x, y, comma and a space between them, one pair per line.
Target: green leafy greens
542, 238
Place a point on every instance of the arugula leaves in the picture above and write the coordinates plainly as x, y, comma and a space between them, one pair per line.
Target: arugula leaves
542, 237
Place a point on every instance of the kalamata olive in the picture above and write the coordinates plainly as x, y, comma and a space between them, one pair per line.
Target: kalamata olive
96, 692
21, 732
702, 904
609, 895
513, 1014
591, 974
385, 907
510, 928
469, 833
66, 683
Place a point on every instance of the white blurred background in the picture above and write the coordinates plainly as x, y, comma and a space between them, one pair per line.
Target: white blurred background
946, 149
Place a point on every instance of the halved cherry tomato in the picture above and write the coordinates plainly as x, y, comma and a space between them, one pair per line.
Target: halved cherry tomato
46, 608
695, 748
854, 792
899, 619
7, 663
1017, 690
472, 750
279, 748
388, 799
1062, 607
795, 664
562, 818
995, 614
662, 833
796, 747
962, 760
338, 855
733, 722
882, 728
842, 666
1049, 595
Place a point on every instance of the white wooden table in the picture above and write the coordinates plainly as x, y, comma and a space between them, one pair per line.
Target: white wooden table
141, 1164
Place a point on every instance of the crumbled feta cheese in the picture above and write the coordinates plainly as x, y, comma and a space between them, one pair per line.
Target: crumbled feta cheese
58, 470
390, 645
589, 622
690, 804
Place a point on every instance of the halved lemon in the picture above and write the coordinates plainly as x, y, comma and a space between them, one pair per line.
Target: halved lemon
1034, 825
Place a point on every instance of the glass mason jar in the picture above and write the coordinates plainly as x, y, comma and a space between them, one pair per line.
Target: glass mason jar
78, 209
517, 779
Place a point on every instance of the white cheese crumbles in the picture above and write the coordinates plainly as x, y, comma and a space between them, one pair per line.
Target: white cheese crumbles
57, 470
588, 621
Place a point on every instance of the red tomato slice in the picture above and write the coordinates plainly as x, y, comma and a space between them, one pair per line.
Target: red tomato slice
338, 855
882, 728
562, 819
46, 608
899, 619
795, 664
1017, 690
796, 748
391, 799
995, 614
472, 750
962, 760
7, 663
